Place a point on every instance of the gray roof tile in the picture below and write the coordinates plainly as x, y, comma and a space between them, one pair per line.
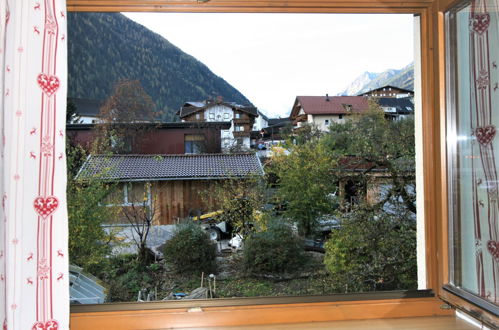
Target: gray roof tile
169, 167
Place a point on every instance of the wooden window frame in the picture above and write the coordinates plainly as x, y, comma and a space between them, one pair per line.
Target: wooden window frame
248, 311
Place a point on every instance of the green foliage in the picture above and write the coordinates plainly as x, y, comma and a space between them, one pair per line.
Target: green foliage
239, 200
369, 143
305, 183
191, 250
373, 250
124, 276
277, 250
127, 50
88, 242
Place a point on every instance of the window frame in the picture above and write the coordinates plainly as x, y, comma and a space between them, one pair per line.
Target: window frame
323, 308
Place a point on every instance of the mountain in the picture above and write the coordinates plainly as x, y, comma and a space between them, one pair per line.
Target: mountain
104, 48
403, 78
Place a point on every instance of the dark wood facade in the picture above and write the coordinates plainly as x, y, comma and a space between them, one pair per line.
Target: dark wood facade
165, 138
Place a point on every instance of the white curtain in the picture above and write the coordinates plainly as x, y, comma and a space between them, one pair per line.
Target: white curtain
33, 218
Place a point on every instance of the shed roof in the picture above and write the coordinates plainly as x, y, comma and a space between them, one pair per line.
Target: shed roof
170, 167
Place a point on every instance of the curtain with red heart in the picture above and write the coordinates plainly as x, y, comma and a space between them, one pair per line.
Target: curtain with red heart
474, 164
33, 218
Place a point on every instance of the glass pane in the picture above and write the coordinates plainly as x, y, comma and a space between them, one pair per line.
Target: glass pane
325, 205
473, 148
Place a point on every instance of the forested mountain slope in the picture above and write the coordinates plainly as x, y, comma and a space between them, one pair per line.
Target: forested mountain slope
106, 47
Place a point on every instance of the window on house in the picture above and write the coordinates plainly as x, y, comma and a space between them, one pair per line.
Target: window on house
326, 122
226, 115
239, 128
198, 116
237, 115
194, 143
340, 116
212, 115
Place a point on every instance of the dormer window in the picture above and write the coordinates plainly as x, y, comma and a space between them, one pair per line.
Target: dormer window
238, 115
347, 107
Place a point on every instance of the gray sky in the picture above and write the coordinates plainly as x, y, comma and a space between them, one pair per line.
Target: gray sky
272, 58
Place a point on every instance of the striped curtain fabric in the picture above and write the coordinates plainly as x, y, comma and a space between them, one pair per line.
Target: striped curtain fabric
33, 218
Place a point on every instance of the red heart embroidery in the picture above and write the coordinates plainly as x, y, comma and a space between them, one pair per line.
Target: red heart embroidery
493, 247
480, 22
485, 134
49, 84
45, 206
49, 325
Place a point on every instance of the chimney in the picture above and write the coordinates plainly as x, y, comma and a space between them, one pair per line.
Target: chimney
327, 97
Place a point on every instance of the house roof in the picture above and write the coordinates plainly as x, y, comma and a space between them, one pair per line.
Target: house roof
403, 104
192, 107
170, 167
87, 107
386, 86
325, 105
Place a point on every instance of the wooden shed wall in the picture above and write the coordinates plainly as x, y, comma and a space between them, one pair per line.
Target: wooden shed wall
178, 199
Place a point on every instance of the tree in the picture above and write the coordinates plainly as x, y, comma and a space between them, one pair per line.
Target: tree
71, 113
372, 250
305, 184
238, 199
89, 243
126, 117
140, 215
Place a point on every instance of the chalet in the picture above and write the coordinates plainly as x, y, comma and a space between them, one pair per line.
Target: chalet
161, 138
242, 119
321, 111
172, 184
388, 91
396, 108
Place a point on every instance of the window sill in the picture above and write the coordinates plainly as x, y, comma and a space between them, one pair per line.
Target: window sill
257, 311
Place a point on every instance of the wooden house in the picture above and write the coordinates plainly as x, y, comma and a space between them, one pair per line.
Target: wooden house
241, 118
174, 186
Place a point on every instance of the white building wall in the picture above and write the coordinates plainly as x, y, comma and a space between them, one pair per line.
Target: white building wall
260, 123
324, 121
224, 113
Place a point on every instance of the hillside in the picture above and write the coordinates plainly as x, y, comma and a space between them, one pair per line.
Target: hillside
403, 78
106, 47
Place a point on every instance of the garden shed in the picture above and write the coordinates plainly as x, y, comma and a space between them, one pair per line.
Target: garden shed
175, 186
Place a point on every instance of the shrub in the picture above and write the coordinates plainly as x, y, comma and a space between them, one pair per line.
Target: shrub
373, 250
191, 250
277, 250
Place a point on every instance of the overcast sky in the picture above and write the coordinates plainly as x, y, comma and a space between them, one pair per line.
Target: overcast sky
272, 58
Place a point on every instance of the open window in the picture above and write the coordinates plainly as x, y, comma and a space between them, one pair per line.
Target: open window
473, 103
435, 188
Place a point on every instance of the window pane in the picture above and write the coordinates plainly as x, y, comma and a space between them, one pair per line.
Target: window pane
473, 148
